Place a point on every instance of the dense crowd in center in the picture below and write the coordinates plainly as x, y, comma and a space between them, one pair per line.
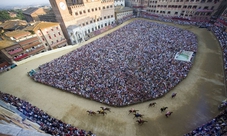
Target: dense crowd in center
133, 64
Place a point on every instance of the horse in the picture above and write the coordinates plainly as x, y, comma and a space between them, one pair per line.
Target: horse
137, 115
101, 112
152, 104
105, 108
168, 113
140, 121
90, 112
132, 110
163, 109
174, 95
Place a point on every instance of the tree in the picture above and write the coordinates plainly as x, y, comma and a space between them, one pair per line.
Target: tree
4, 15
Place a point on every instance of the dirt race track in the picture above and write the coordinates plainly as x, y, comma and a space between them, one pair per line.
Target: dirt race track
196, 102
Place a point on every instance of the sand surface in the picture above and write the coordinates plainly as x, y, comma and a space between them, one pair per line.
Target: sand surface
196, 102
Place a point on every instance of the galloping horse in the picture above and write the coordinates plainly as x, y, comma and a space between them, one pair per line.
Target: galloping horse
132, 110
137, 115
140, 121
174, 95
105, 108
168, 113
101, 112
152, 104
163, 109
90, 112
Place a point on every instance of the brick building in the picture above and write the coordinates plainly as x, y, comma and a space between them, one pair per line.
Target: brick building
190, 9
32, 14
49, 33
18, 45
79, 18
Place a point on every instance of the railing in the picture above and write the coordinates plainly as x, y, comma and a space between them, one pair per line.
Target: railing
36, 50
57, 43
31, 45
20, 57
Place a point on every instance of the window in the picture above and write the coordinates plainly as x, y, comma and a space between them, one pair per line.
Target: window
103, 7
176, 13
84, 11
49, 37
168, 12
206, 7
92, 10
59, 33
88, 10
54, 35
80, 12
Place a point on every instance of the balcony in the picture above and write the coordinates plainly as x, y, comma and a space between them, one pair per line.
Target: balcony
33, 52
204, 10
58, 43
15, 51
31, 45
20, 57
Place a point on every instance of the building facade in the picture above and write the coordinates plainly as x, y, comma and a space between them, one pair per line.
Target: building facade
20, 44
49, 33
121, 12
190, 9
119, 3
32, 14
79, 18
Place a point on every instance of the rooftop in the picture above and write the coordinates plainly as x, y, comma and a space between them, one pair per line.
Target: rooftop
17, 34
29, 11
41, 25
13, 24
6, 43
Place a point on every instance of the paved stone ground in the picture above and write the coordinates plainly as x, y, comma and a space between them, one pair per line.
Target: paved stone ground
196, 102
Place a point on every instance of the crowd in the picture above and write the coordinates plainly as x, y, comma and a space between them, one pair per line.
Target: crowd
47, 123
221, 35
215, 127
175, 21
133, 64
217, 28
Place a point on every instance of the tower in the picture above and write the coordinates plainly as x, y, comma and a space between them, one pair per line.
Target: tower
60, 9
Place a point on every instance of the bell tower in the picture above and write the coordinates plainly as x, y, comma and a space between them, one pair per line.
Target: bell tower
63, 16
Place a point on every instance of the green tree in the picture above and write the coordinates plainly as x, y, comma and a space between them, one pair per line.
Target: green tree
4, 15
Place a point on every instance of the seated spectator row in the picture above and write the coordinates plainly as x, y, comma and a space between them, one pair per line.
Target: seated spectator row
47, 123
133, 64
215, 127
